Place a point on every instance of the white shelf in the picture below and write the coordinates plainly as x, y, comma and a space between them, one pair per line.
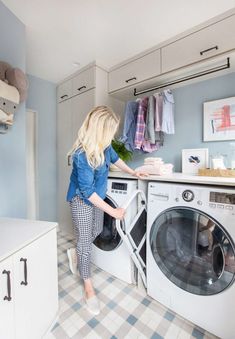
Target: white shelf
180, 178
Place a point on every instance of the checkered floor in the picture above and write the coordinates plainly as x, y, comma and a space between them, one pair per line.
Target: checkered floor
126, 312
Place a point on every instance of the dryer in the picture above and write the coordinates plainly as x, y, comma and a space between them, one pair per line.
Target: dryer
191, 253
109, 252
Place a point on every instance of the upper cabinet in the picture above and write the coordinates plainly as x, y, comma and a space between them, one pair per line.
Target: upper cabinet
83, 81
64, 91
135, 71
207, 42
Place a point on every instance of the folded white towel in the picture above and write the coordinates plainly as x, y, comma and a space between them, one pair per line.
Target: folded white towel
163, 169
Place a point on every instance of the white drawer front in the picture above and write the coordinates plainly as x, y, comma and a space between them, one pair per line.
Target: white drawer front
212, 40
83, 81
64, 91
136, 71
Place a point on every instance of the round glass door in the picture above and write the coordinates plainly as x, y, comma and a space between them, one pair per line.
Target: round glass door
193, 251
109, 239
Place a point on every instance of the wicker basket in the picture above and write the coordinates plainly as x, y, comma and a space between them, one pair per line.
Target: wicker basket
216, 172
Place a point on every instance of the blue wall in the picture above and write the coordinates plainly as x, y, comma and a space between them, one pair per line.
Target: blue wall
12, 144
189, 121
42, 99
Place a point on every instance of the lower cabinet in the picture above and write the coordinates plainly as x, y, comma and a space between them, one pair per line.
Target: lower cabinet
29, 290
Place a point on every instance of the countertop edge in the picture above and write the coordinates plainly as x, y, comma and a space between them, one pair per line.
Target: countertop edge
49, 227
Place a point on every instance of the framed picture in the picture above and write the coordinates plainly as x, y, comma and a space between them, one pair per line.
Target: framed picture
219, 120
193, 159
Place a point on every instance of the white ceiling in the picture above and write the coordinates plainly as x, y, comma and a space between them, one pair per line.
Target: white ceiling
61, 32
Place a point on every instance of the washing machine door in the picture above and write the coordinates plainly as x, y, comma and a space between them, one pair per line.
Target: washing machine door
109, 239
193, 251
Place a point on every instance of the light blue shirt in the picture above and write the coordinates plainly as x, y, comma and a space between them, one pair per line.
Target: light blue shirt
129, 129
85, 180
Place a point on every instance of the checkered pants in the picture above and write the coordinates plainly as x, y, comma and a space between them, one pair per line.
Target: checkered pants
88, 224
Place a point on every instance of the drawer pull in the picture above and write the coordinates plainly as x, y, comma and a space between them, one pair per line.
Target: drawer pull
25, 272
80, 88
64, 96
8, 297
134, 78
69, 160
208, 50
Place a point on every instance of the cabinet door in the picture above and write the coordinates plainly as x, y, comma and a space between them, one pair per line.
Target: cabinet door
36, 287
65, 141
64, 91
135, 71
7, 299
212, 40
81, 106
83, 81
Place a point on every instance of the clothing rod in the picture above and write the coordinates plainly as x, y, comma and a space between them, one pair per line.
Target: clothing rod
186, 78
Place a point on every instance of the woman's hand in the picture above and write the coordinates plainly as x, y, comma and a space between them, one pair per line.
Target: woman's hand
139, 174
118, 213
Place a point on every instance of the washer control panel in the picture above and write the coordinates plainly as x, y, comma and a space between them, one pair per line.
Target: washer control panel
119, 187
222, 200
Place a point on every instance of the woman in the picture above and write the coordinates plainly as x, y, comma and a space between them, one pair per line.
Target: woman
92, 154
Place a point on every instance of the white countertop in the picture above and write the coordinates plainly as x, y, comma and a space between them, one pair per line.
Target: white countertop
180, 178
17, 233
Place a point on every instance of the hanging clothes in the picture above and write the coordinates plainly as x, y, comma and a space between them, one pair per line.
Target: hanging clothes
140, 142
151, 134
168, 125
140, 125
129, 128
158, 111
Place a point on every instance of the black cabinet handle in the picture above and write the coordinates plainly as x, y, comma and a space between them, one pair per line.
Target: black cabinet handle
64, 96
80, 88
25, 282
8, 297
134, 78
208, 50
69, 160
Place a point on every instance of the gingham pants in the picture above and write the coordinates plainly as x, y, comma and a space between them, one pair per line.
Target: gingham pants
88, 224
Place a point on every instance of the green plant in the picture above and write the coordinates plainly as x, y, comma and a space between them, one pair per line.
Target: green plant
121, 150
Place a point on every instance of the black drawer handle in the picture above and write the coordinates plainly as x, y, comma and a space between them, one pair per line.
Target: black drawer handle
134, 78
80, 88
208, 50
25, 282
8, 297
69, 160
64, 96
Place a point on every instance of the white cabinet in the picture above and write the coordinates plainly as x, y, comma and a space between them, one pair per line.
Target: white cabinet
29, 287
135, 71
35, 285
64, 91
209, 41
7, 297
70, 116
83, 81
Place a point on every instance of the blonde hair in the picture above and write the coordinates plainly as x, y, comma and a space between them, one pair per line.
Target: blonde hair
96, 134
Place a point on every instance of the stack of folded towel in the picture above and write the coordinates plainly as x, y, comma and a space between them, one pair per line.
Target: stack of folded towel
155, 166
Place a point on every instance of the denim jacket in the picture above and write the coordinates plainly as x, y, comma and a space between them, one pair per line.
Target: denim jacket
85, 180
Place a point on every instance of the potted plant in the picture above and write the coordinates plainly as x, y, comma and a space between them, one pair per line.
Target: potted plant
122, 152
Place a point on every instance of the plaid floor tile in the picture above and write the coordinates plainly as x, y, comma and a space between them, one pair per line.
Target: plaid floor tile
126, 312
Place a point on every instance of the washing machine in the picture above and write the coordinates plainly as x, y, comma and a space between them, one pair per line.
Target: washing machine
191, 253
109, 252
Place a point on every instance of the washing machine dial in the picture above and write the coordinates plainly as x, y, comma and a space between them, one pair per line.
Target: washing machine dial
188, 195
